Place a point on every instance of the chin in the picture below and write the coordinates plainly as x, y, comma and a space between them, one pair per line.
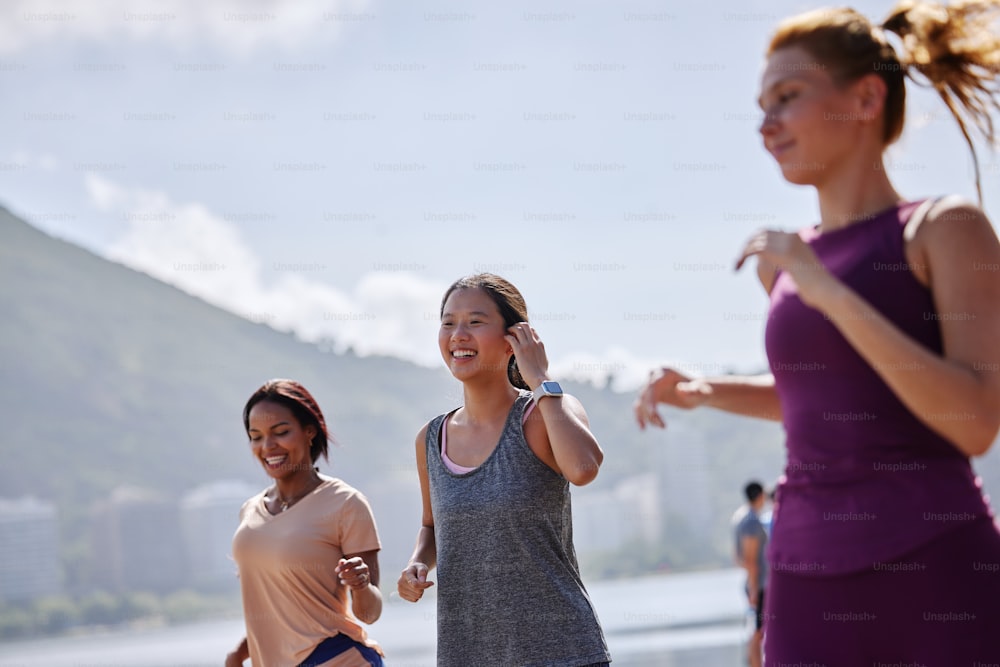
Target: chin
461, 374
278, 473
801, 175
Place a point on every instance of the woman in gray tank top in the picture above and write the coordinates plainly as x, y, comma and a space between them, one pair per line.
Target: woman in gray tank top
494, 478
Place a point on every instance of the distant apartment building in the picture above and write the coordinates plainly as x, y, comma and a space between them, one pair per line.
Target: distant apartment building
137, 544
627, 514
29, 550
209, 515
684, 469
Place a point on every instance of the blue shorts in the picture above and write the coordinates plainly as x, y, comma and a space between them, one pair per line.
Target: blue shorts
331, 647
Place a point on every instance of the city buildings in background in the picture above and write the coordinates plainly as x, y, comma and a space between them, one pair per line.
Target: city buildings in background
29, 550
136, 543
208, 517
143, 541
139, 540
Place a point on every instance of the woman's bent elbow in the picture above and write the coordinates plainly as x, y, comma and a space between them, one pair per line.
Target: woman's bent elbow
584, 473
980, 442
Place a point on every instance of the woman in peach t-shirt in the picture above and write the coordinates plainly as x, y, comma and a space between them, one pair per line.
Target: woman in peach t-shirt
302, 543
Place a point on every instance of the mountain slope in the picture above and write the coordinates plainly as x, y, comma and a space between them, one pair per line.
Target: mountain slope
111, 377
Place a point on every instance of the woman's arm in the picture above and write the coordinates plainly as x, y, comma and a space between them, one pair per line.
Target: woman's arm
750, 396
956, 394
360, 573
413, 580
576, 454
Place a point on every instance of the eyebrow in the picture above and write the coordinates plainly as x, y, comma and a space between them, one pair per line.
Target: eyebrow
272, 426
474, 312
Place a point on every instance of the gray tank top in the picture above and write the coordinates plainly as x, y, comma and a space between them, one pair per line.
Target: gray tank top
509, 588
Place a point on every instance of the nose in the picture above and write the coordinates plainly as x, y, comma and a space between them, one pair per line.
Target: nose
768, 124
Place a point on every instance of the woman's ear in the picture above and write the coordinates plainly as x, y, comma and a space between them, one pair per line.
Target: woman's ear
870, 93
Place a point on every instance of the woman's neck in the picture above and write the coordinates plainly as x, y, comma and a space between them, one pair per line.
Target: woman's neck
857, 195
293, 486
487, 401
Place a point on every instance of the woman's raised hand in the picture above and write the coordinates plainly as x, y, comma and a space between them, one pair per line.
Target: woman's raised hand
666, 385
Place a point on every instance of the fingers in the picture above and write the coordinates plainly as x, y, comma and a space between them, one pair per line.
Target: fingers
523, 333
671, 387
761, 242
645, 410
412, 582
752, 247
353, 573
640, 414
523, 328
529, 350
520, 332
783, 249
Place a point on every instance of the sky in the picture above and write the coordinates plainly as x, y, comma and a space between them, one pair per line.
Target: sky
329, 167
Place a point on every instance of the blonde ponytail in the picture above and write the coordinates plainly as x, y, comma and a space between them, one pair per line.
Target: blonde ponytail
956, 49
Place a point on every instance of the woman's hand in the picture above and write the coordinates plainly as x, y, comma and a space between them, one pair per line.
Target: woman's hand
353, 572
789, 253
239, 655
529, 351
413, 582
669, 386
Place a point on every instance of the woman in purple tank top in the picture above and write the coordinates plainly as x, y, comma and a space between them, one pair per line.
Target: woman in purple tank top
883, 339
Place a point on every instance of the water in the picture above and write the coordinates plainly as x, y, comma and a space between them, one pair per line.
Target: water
681, 620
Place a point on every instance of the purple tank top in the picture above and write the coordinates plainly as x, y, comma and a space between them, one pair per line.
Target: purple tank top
865, 480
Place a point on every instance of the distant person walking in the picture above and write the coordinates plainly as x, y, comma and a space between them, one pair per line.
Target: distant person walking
882, 337
494, 479
750, 541
306, 547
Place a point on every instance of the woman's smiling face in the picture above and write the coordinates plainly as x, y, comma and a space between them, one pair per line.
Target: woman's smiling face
471, 337
278, 439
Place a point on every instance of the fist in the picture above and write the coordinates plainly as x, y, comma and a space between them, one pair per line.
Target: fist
353, 572
413, 582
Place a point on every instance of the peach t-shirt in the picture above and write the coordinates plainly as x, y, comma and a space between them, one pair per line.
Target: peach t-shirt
292, 597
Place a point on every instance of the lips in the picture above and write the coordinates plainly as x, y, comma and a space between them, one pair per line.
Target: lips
777, 149
463, 354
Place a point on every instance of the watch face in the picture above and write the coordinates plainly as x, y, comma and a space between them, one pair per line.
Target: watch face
551, 387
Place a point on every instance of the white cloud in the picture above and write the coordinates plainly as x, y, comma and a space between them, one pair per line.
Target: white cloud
388, 312
189, 247
236, 26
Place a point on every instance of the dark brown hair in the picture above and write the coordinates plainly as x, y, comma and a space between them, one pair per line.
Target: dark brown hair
753, 490
509, 302
954, 48
303, 406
